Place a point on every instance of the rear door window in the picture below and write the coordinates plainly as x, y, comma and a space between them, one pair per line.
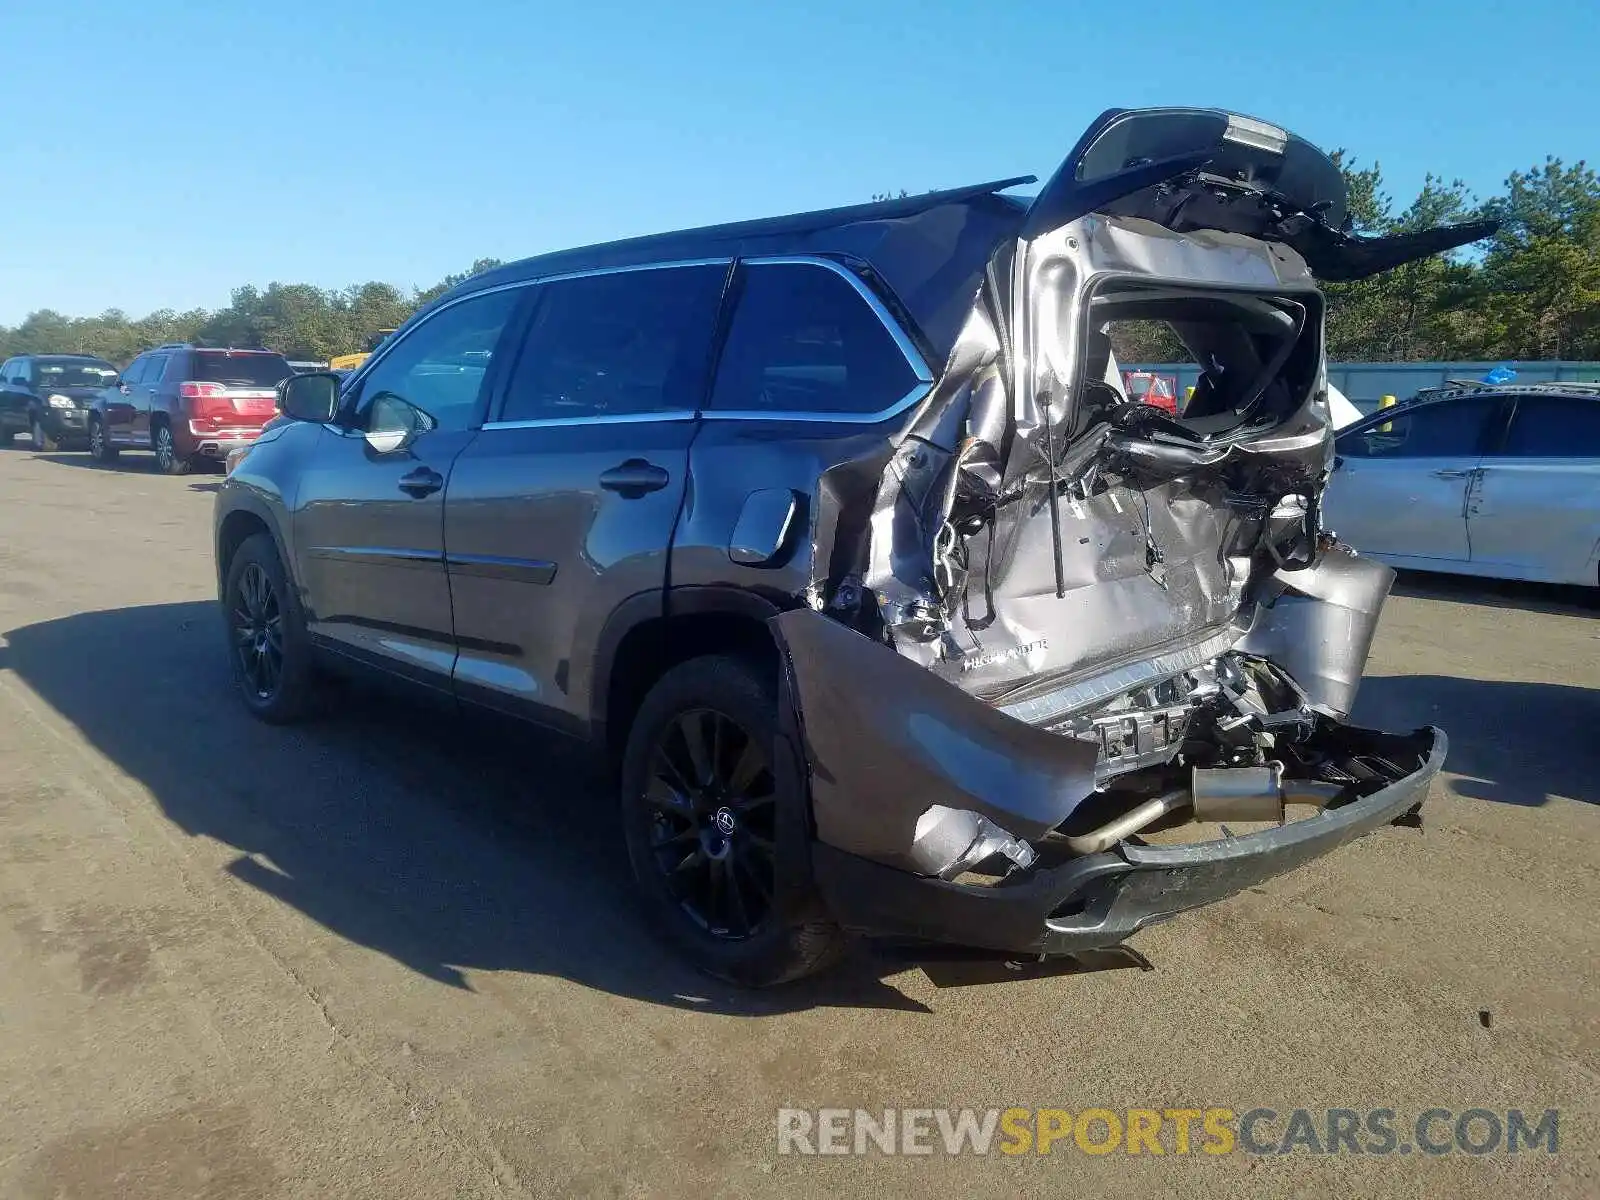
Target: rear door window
1554, 427
153, 367
239, 370
623, 344
1452, 429
804, 340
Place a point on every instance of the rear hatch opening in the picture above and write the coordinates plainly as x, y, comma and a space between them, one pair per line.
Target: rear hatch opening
1259, 355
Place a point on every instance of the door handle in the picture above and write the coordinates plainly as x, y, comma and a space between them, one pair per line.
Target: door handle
634, 478
424, 481
1451, 473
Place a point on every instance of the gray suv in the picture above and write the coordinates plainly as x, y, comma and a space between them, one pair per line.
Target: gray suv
837, 533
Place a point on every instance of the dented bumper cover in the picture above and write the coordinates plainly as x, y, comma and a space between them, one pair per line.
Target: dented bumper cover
884, 740
1102, 899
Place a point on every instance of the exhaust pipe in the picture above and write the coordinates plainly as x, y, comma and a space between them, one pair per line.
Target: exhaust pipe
1129, 823
1215, 794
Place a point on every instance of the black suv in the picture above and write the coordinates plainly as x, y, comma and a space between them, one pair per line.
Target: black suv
187, 404
49, 396
836, 531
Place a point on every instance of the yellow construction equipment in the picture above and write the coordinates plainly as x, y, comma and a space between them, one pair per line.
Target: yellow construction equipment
349, 362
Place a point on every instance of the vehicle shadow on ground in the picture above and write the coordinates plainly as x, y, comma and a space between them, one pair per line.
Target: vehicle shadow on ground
445, 842
139, 463
135, 462
1500, 593
1512, 743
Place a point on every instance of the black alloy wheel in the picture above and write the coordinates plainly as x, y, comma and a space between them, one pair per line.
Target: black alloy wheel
255, 617
712, 795
716, 818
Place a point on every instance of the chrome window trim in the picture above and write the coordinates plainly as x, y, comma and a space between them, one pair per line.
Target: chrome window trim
389, 346
913, 356
918, 364
394, 340
914, 359
603, 419
914, 396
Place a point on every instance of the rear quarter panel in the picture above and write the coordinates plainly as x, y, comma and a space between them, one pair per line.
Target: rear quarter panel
832, 470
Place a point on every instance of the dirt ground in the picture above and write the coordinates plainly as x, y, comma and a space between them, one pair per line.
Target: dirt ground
392, 953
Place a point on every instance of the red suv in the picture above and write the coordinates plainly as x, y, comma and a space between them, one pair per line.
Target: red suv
187, 404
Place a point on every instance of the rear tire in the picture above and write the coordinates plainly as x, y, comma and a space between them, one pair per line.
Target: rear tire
168, 460
100, 447
718, 830
42, 441
269, 652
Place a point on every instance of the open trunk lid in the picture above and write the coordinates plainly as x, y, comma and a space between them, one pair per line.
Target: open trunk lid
1191, 169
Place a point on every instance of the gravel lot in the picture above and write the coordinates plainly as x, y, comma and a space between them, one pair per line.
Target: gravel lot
391, 954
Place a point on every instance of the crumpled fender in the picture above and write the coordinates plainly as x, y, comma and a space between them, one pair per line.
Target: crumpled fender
884, 739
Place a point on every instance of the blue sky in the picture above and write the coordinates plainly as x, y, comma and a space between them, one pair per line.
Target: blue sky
159, 153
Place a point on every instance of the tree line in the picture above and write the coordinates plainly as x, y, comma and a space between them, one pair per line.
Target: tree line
302, 321
1532, 291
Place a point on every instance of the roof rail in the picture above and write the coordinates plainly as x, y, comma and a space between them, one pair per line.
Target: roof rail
1545, 387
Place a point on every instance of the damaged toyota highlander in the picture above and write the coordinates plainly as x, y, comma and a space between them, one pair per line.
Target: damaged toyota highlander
837, 532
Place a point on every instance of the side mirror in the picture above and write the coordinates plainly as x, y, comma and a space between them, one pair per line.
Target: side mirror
313, 397
393, 424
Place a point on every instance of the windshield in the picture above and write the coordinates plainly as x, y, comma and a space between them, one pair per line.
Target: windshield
96, 374
240, 370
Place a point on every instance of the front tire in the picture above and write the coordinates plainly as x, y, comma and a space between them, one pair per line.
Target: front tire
168, 460
100, 447
717, 827
42, 441
268, 650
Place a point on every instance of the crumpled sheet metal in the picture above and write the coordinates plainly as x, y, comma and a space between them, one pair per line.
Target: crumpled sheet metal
886, 740
1145, 562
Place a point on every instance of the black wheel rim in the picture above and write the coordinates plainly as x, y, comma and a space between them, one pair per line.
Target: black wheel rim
164, 449
712, 810
256, 619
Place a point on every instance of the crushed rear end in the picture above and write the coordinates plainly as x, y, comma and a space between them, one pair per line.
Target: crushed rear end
1094, 660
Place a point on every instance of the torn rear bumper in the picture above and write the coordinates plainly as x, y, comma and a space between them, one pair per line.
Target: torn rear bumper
1101, 899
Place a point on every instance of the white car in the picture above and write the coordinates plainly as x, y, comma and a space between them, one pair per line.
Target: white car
1339, 407
1496, 481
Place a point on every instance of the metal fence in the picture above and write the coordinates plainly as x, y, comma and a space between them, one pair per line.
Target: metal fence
1367, 383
